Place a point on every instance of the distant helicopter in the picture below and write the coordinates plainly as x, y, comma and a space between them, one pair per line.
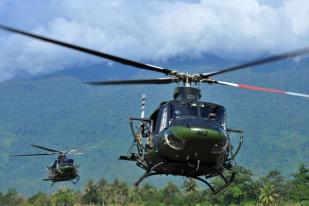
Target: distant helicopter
63, 169
185, 136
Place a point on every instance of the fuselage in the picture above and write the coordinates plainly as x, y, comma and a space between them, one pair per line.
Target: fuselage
191, 134
63, 171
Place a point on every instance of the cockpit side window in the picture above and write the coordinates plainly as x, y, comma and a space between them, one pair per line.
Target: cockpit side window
154, 118
162, 120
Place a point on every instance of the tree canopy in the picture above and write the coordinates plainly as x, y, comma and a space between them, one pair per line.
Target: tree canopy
271, 189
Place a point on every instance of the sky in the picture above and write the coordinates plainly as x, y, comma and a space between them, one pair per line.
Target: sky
148, 30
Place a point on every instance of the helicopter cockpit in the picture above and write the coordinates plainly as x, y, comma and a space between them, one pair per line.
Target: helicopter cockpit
63, 161
179, 110
68, 162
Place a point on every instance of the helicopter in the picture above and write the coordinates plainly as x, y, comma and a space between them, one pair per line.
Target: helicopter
63, 169
184, 136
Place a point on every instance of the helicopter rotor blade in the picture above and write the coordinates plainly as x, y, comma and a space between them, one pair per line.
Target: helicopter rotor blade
261, 61
263, 89
29, 155
90, 51
136, 81
45, 148
74, 152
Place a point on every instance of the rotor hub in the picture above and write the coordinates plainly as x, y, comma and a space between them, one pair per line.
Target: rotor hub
187, 93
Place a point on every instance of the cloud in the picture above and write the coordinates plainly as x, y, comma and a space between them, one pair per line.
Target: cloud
149, 30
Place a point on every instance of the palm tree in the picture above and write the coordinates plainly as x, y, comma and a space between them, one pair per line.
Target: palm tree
190, 185
91, 195
268, 195
106, 191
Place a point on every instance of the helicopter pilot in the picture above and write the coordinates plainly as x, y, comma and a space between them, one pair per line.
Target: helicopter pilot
212, 116
176, 114
61, 159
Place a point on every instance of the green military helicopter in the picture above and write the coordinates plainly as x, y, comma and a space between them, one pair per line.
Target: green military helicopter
63, 169
184, 136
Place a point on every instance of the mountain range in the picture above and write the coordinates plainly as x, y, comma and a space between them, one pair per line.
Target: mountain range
60, 111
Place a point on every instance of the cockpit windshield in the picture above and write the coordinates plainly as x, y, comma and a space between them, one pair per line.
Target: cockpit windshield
203, 110
183, 110
176, 110
216, 113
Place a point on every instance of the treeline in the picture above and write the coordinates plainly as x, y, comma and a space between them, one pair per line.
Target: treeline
272, 189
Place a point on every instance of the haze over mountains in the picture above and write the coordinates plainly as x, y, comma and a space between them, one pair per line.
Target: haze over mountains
60, 111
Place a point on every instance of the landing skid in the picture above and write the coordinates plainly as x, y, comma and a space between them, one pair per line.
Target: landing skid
149, 173
228, 181
220, 188
74, 181
49, 179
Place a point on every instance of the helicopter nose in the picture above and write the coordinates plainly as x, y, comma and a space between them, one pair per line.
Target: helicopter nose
198, 129
173, 141
194, 139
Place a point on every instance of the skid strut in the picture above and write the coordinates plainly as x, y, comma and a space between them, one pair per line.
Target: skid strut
148, 173
227, 181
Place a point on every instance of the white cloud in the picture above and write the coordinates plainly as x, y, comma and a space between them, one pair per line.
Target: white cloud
152, 30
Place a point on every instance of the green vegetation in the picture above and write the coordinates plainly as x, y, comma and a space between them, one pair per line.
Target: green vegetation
269, 190
62, 112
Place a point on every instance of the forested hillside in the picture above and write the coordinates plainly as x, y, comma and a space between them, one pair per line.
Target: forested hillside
271, 189
60, 111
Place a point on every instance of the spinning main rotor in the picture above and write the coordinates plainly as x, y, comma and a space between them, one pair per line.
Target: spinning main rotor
173, 76
50, 152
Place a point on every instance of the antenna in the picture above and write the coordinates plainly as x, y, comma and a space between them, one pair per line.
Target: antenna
143, 105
